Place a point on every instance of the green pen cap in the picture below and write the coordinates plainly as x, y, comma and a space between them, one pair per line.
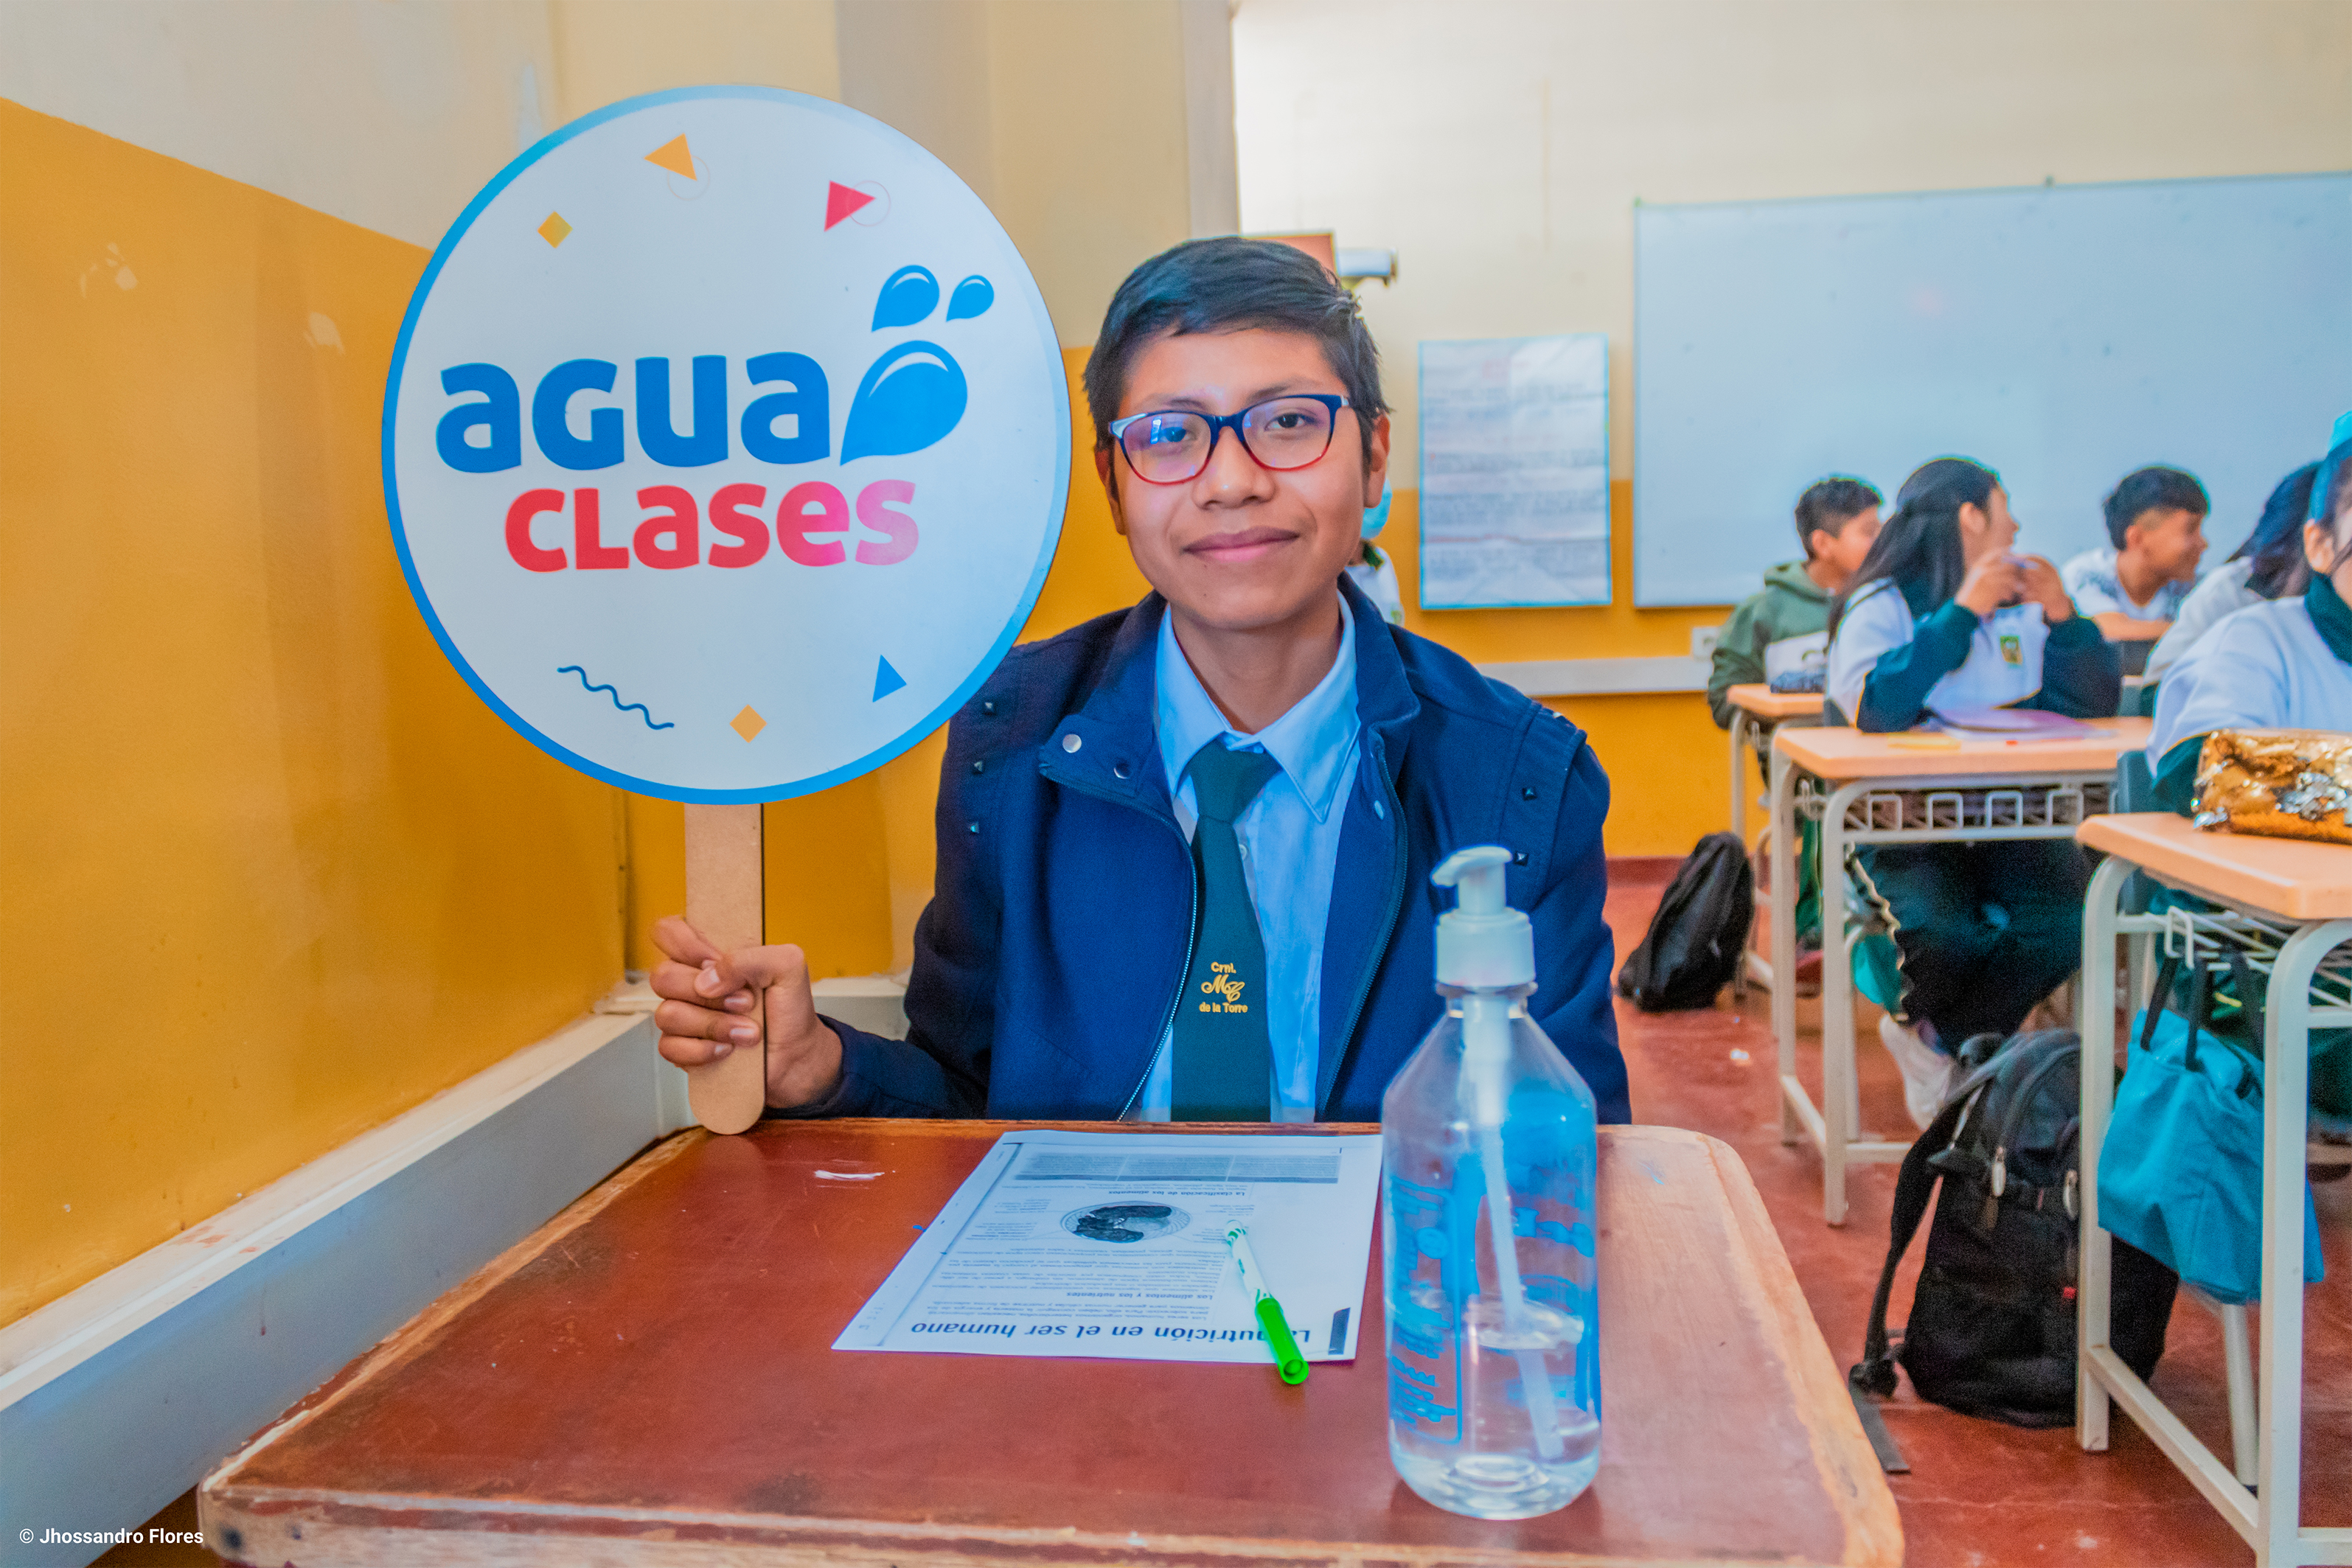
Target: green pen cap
1287, 1359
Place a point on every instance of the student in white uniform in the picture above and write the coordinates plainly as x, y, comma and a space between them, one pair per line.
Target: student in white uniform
2268, 565
1943, 613
2283, 664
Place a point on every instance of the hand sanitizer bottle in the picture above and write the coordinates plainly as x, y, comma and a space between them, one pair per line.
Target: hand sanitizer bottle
1487, 1215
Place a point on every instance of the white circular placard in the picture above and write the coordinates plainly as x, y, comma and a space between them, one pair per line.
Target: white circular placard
726, 443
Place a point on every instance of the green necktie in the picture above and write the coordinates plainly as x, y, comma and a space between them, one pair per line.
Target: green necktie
1224, 1065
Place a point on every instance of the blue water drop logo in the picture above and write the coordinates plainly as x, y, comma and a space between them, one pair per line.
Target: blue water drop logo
912, 397
907, 295
972, 297
915, 394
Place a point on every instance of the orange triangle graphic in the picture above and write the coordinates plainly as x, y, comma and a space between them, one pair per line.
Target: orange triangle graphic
840, 202
673, 156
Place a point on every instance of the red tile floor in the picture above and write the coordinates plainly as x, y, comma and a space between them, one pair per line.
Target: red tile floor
1979, 1494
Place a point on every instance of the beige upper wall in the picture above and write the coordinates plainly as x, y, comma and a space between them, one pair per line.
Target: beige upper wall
1099, 131
389, 114
1499, 145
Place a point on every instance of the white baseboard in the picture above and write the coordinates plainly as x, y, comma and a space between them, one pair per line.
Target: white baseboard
1602, 677
120, 1397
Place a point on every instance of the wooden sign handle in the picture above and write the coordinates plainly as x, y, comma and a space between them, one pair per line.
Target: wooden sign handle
725, 900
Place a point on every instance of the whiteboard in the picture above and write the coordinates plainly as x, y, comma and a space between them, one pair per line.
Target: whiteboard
2063, 335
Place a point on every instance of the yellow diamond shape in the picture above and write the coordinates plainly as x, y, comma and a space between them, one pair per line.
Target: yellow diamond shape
747, 724
554, 229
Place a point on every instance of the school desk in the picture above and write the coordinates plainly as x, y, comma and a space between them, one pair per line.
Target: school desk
2286, 903
646, 1381
1906, 787
1757, 710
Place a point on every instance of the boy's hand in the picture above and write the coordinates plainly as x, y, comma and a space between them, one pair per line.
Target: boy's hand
712, 1003
2040, 582
1994, 580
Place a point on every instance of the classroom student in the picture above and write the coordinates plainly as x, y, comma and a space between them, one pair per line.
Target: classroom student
2269, 565
1239, 785
1943, 615
1786, 625
2133, 591
2284, 663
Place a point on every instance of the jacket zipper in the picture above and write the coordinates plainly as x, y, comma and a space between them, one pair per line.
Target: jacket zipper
1397, 856
1192, 936
2058, 1058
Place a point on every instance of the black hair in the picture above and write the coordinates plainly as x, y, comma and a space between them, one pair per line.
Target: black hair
1227, 285
1829, 505
2153, 490
2276, 544
2335, 477
1919, 548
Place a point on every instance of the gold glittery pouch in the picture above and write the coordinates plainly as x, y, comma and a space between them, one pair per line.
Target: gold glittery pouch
2282, 783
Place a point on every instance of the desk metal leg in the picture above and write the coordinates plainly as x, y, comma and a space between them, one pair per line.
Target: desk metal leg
2094, 1252
1738, 775
1783, 895
2286, 1073
1841, 1098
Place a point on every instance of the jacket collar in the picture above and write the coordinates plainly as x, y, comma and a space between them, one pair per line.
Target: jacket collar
1117, 747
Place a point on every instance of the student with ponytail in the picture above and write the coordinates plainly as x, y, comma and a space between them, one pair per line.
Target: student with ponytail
1943, 614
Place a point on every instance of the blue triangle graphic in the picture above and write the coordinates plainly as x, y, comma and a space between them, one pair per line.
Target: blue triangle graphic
885, 680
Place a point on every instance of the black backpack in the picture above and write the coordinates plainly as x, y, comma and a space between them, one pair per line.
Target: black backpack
1695, 941
1992, 1325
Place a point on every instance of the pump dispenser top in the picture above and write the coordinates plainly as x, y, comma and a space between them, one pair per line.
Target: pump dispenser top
1483, 944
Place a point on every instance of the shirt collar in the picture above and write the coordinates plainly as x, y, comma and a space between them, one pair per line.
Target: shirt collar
1312, 742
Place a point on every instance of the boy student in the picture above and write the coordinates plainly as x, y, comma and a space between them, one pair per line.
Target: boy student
1786, 626
1238, 787
2133, 592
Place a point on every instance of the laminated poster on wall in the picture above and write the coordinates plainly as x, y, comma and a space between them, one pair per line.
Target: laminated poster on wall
1514, 472
726, 443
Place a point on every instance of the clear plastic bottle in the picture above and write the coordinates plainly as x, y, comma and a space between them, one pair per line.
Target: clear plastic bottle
1493, 1341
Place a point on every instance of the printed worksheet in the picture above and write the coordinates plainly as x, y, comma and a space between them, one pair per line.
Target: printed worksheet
1113, 1244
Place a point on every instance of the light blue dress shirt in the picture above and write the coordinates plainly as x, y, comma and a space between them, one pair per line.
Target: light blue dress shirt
1290, 839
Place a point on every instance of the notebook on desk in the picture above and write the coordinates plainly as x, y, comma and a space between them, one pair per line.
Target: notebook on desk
2007, 723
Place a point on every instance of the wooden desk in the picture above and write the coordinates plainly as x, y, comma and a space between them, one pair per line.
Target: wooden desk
2292, 878
2288, 903
575, 1402
1887, 788
1756, 711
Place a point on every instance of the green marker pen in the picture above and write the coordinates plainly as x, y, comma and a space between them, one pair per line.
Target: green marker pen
1287, 1359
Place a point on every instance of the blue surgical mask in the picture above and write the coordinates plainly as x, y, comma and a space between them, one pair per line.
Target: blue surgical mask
1377, 517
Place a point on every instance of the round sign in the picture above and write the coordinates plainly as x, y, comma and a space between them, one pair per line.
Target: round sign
726, 443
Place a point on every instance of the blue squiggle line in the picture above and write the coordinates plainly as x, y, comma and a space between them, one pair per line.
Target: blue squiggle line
638, 708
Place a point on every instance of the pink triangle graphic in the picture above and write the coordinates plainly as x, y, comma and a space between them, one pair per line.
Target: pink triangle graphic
840, 202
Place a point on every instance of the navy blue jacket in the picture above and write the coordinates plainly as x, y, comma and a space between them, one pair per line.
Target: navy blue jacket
1061, 925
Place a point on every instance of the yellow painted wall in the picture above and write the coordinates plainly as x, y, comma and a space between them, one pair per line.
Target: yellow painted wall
269, 870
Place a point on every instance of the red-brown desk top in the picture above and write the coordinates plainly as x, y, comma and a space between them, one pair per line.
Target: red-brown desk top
646, 1381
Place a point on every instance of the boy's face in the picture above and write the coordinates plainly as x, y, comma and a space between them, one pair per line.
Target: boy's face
1242, 548
1843, 552
2168, 538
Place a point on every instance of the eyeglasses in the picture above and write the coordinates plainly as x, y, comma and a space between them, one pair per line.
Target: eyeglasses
1170, 446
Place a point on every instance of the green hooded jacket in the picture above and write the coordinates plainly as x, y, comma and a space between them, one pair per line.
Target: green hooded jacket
1791, 605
